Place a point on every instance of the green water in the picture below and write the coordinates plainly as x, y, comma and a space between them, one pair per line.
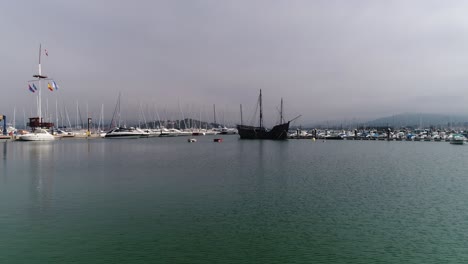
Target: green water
163, 200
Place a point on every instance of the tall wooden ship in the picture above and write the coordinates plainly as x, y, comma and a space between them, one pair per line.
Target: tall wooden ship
278, 132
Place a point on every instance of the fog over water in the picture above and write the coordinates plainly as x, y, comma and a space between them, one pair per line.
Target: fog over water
329, 60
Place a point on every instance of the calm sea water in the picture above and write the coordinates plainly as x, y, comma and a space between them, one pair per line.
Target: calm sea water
163, 200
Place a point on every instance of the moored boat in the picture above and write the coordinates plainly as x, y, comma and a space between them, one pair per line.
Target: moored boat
124, 132
172, 132
63, 134
39, 134
457, 139
228, 131
38, 126
278, 132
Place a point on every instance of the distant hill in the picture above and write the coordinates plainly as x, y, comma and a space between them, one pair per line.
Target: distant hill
420, 120
414, 120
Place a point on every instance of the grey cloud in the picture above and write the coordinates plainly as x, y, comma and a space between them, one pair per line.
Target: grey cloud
328, 59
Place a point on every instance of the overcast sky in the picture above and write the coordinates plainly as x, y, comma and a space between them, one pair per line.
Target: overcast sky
328, 59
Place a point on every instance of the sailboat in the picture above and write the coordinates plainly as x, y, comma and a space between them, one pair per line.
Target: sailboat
123, 132
278, 132
38, 126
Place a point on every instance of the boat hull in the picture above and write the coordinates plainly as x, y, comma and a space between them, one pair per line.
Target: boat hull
36, 137
124, 136
168, 135
123, 132
278, 132
457, 139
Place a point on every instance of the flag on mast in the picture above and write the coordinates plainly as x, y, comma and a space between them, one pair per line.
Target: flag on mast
34, 86
50, 87
46, 53
31, 89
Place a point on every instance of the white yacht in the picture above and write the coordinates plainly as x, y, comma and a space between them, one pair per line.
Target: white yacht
62, 134
38, 134
151, 132
185, 132
124, 132
144, 133
171, 132
228, 131
198, 132
211, 132
457, 139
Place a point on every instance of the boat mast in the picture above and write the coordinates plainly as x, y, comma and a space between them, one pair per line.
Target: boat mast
39, 113
56, 113
47, 110
68, 117
181, 114
14, 117
199, 121
39, 77
101, 119
214, 114
119, 112
281, 112
261, 108
76, 120
241, 114
24, 119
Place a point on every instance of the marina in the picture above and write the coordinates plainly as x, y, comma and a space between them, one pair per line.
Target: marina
419, 135
234, 132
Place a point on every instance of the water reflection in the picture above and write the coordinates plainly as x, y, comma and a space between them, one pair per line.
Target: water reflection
280, 161
4, 151
41, 173
4, 161
263, 195
260, 171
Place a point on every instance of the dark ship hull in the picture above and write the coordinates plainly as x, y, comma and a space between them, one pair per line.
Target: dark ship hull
278, 132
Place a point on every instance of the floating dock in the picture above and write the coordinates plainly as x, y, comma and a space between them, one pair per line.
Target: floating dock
4, 138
